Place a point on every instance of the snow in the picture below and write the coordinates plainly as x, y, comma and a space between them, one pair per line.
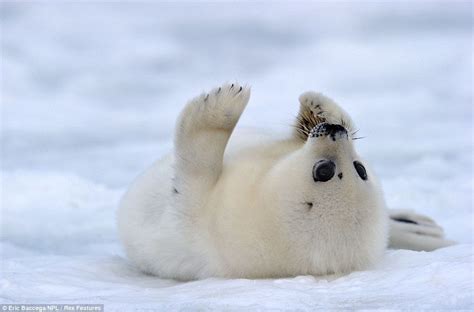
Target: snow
90, 91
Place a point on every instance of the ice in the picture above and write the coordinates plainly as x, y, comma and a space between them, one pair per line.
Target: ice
90, 92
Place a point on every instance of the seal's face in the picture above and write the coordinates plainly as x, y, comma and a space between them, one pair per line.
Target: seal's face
337, 173
328, 199
324, 170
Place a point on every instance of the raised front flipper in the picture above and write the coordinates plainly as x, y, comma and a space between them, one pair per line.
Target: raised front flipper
316, 108
202, 132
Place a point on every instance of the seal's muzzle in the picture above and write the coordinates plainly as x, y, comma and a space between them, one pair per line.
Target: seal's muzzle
325, 129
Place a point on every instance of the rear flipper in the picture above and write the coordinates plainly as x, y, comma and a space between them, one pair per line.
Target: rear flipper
409, 230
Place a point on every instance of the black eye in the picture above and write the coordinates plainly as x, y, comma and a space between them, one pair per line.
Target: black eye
360, 170
323, 171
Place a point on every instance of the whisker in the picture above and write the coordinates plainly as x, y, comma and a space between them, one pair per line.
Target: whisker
358, 138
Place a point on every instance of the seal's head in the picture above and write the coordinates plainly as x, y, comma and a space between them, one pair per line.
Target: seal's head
329, 203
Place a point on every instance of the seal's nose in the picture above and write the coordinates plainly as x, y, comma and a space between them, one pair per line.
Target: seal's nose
326, 129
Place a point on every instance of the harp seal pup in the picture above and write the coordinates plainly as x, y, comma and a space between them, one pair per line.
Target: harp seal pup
261, 206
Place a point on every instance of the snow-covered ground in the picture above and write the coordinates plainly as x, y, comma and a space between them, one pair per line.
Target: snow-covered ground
90, 91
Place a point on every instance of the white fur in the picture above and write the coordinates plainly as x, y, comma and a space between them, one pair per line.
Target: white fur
246, 215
